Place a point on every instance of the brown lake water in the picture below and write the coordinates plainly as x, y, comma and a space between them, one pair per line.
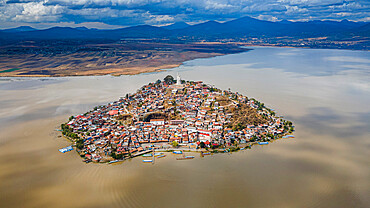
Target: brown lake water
326, 93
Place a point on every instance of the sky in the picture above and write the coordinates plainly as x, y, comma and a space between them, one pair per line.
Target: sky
109, 14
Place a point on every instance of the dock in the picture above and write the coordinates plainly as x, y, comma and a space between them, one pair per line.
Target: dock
141, 153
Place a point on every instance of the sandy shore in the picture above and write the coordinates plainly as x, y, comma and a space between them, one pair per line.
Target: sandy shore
115, 59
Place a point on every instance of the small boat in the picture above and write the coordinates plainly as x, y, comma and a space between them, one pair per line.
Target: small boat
178, 152
262, 143
185, 158
206, 153
66, 149
147, 161
147, 155
242, 148
113, 161
160, 156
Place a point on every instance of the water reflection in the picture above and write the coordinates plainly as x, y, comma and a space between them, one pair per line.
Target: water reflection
325, 166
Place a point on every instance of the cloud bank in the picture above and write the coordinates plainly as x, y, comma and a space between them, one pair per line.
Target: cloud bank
120, 13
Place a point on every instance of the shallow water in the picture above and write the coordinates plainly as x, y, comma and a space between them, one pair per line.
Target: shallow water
326, 93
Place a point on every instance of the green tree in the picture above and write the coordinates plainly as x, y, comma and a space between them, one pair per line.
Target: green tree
202, 145
169, 79
116, 156
80, 144
253, 139
175, 144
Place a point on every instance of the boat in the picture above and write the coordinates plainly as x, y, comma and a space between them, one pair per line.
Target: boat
66, 149
147, 161
185, 158
206, 153
242, 148
178, 152
147, 155
87, 161
160, 156
262, 143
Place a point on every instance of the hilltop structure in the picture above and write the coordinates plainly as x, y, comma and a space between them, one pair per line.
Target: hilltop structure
178, 80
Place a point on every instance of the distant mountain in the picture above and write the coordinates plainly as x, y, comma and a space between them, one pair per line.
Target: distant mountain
177, 25
239, 28
20, 29
250, 27
206, 29
56, 33
358, 32
141, 31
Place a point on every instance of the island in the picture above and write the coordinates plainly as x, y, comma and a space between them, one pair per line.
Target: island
173, 116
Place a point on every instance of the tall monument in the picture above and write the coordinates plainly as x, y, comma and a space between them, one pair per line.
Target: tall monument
178, 80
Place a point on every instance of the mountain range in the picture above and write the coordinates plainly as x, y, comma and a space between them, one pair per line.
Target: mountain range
244, 27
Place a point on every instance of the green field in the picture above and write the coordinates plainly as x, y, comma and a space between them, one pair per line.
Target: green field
9, 70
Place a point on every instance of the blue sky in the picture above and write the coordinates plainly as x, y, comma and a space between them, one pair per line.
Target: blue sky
122, 13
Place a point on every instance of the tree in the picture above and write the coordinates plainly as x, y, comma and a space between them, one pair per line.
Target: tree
116, 156
169, 79
80, 144
253, 139
175, 144
202, 145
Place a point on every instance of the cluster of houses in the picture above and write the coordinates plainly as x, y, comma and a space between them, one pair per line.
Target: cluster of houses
187, 114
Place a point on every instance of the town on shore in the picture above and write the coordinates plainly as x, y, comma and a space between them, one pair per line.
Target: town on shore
173, 116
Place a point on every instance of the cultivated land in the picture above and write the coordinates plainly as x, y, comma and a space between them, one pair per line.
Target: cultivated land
188, 115
77, 58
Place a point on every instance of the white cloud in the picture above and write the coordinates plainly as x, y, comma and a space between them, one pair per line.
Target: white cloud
97, 13
267, 18
159, 19
295, 10
131, 12
31, 12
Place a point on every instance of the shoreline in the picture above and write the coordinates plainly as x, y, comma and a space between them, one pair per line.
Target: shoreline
118, 60
120, 71
150, 69
201, 151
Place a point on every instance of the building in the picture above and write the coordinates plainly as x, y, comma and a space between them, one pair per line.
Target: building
157, 122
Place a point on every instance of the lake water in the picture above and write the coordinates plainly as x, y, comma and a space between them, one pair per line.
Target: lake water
326, 93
